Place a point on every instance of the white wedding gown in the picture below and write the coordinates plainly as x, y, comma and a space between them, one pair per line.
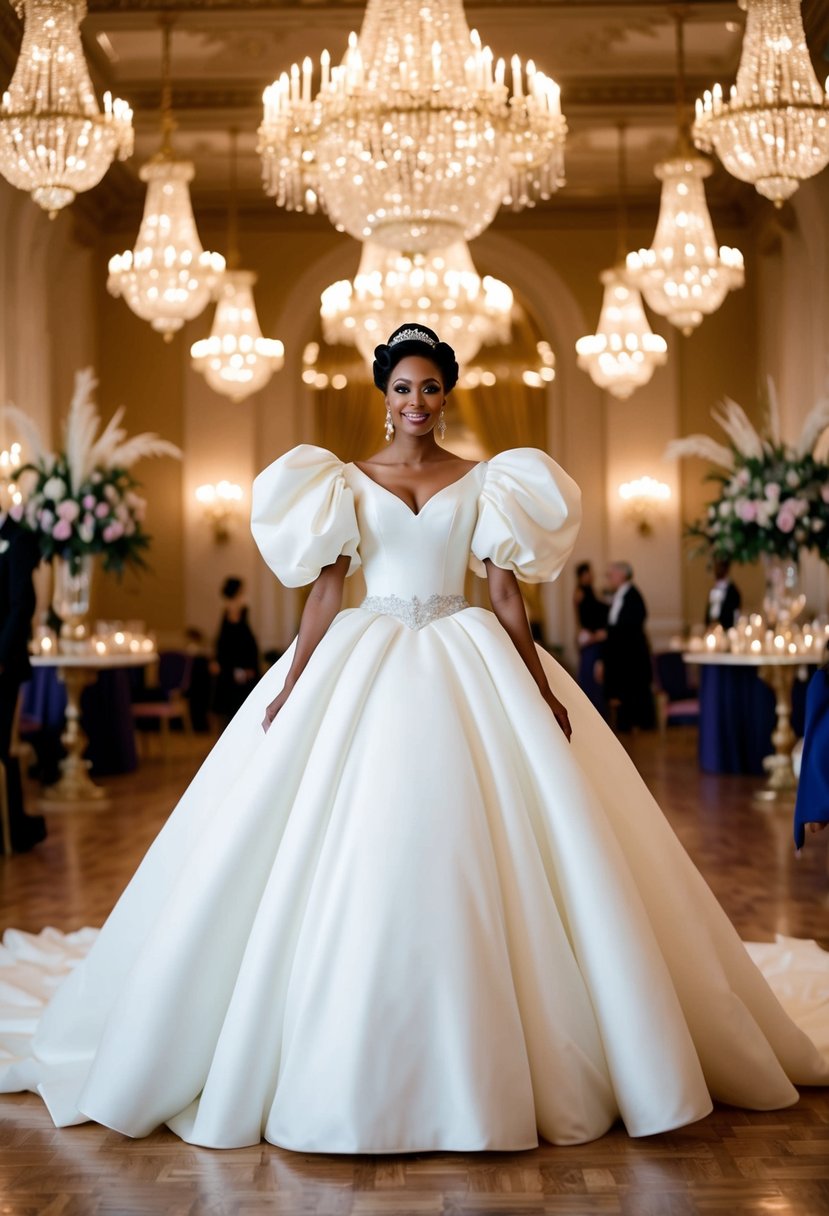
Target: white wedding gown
412, 916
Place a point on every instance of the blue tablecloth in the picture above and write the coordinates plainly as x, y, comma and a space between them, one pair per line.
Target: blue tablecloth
106, 717
737, 719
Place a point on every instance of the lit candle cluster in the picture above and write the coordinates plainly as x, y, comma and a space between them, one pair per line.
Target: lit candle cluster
753, 635
110, 638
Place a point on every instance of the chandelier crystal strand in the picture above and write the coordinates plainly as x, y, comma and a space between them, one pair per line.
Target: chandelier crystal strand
684, 275
774, 129
236, 360
54, 140
441, 289
622, 354
413, 141
168, 278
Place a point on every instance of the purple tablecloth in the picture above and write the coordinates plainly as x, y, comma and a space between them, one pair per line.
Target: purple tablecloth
106, 717
737, 719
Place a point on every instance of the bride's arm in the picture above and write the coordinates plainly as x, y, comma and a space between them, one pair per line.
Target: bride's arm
508, 606
323, 604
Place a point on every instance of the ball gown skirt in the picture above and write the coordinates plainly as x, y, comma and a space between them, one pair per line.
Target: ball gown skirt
411, 916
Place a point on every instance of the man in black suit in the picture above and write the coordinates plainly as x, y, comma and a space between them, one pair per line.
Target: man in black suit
628, 675
19, 555
724, 599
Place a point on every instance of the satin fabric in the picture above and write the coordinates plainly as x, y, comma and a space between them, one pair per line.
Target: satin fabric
412, 917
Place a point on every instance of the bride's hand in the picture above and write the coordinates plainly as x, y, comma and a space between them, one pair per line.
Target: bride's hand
559, 712
274, 708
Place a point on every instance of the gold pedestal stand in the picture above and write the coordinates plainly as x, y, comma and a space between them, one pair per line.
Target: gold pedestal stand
75, 787
781, 785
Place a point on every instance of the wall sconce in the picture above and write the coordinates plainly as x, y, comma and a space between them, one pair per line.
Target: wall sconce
219, 503
642, 498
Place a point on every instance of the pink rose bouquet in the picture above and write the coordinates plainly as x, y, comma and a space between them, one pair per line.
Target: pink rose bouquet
772, 497
83, 499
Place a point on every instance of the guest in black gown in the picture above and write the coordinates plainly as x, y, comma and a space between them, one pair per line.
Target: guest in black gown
628, 674
237, 653
591, 614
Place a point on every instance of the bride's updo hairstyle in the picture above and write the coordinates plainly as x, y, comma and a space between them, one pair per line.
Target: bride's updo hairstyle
414, 339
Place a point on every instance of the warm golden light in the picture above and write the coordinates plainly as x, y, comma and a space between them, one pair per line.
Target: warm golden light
55, 142
773, 130
413, 141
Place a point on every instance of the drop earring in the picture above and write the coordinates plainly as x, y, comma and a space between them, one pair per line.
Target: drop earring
389, 425
441, 426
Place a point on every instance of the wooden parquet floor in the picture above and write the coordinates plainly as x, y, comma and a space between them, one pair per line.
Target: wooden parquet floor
734, 1163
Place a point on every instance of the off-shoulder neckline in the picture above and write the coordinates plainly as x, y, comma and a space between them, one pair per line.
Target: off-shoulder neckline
480, 465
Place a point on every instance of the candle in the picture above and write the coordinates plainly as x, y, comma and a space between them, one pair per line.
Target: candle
516, 76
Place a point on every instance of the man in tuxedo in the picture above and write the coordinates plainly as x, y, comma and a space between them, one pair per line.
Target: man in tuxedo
628, 675
19, 555
724, 599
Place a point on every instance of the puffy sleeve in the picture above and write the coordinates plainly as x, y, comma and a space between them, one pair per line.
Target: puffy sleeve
303, 516
529, 514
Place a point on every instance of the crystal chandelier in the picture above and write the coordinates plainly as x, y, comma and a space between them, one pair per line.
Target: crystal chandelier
236, 360
54, 141
167, 278
684, 276
413, 141
623, 352
774, 129
441, 289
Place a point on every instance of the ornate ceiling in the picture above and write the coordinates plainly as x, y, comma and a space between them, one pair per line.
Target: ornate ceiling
613, 59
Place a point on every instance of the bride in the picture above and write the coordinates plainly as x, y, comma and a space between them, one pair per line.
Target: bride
423, 905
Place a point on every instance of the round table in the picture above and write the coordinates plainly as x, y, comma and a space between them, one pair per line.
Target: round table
778, 671
75, 788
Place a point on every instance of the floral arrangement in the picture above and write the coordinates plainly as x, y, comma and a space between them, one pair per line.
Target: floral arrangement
773, 497
83, 499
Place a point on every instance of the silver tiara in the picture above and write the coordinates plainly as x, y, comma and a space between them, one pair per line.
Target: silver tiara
412, 335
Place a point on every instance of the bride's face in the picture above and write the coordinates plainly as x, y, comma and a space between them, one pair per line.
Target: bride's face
415, 395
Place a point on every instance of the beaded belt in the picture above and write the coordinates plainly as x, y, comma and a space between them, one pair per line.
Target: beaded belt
415, 613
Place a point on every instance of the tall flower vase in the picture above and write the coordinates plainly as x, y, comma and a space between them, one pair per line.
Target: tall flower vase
783, 601
71, 588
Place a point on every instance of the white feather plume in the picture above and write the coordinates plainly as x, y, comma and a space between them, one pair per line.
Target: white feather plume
84, 452
821, 449
817, 420
112, 435
34, 449
141, 446
774, 412
703, 446
739, 428
80, 428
